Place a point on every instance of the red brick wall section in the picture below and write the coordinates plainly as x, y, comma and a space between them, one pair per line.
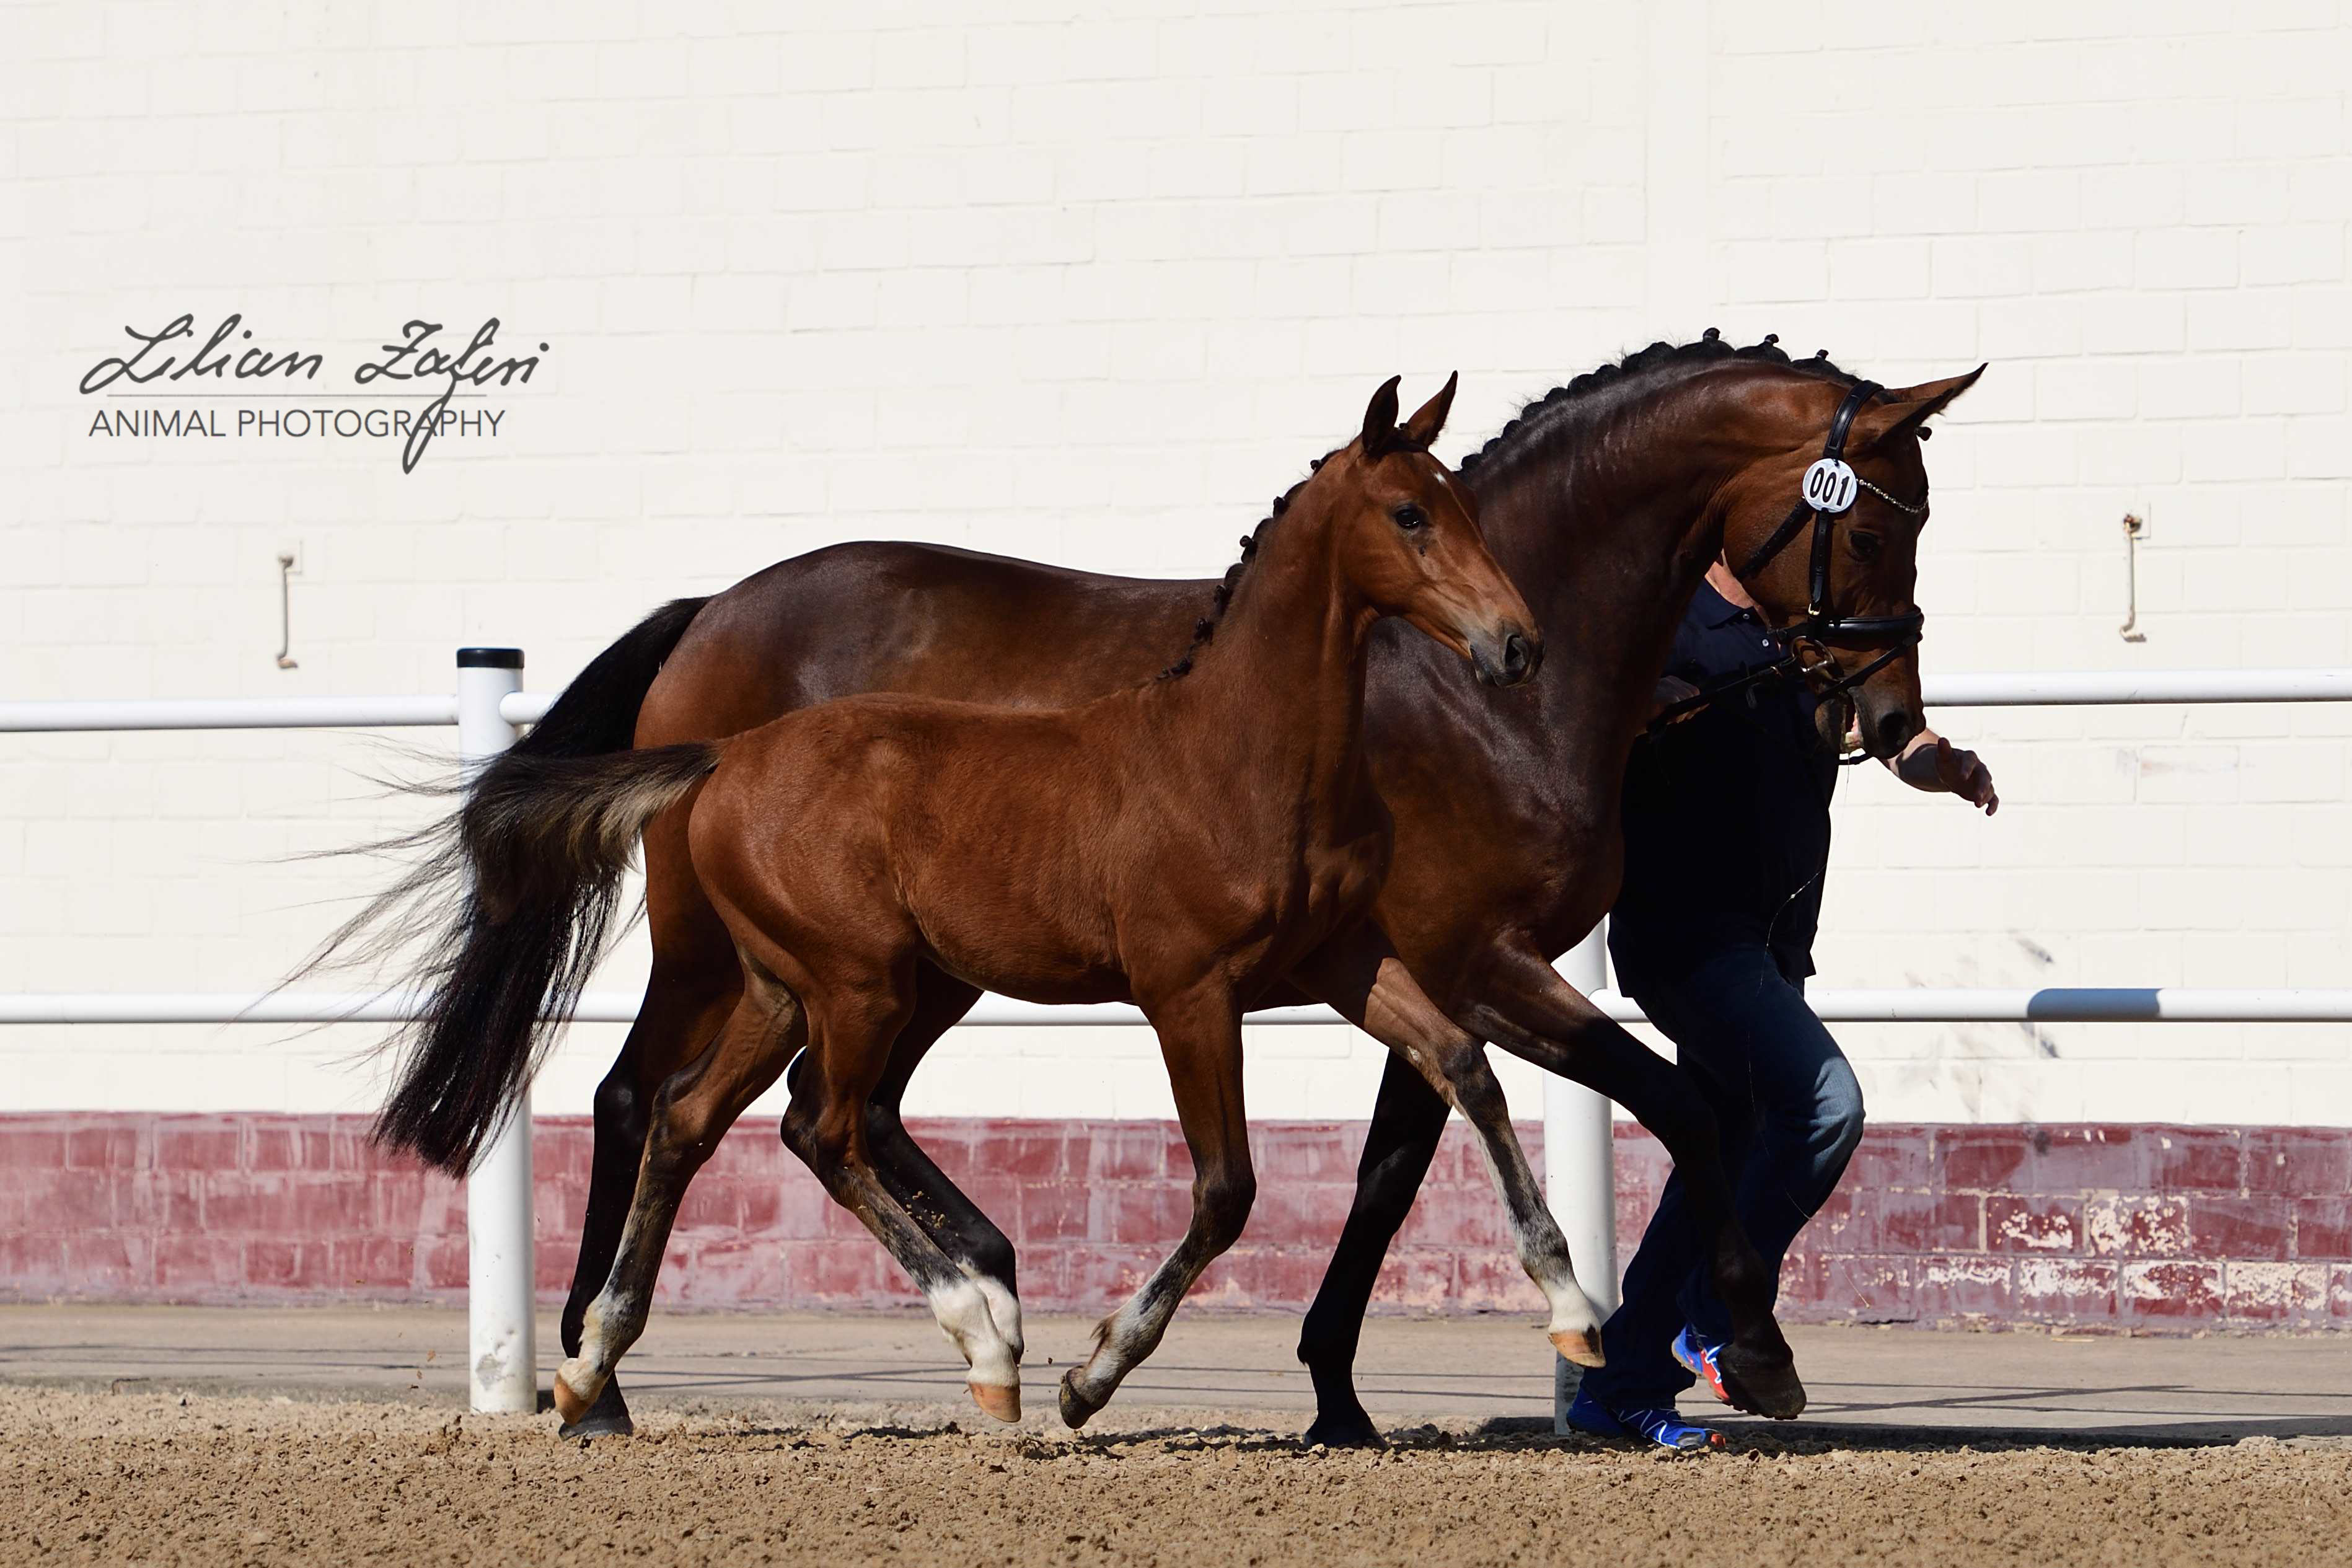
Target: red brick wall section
2095, 1228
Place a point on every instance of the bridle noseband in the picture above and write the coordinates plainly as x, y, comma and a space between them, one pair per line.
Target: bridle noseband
1827, 492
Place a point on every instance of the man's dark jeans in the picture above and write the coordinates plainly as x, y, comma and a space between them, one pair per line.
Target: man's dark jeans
1791, 1115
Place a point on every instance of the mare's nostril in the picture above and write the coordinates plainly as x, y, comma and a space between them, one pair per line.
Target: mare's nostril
1518, 658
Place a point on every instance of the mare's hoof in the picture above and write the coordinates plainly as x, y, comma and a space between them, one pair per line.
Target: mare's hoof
1581, 1346
1076, 1408
1344, 1429
608, 1417
1000, 1402
1761, 1385
569, 1403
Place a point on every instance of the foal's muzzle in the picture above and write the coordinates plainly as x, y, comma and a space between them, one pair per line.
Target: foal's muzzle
1508, 655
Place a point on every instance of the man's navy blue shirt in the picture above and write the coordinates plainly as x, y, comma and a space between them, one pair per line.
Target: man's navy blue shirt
1727, 813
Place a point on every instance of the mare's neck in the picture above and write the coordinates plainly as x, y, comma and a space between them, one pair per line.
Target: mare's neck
1607, 522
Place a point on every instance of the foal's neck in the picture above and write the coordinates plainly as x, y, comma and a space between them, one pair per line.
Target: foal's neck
1283, 677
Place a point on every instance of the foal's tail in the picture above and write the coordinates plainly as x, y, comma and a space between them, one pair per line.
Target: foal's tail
512, 896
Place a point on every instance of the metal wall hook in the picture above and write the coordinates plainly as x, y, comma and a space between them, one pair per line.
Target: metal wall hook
286, 610
2129, 631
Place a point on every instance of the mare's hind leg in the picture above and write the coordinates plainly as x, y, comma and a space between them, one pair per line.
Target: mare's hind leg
1201, 1038
851, 1030
1371, 988
681, 1011
952, 1219
693, 1109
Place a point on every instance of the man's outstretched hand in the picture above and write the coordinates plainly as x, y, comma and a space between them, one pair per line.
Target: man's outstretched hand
1933, 763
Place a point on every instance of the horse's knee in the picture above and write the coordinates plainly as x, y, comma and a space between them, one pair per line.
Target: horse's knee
821, 1142
1478, 1092
883, 1124
618, 1103
1222, 1200
1683, 1120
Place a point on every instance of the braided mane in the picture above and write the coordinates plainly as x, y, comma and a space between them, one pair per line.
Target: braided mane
1206, 626
1535, 421
1537, 418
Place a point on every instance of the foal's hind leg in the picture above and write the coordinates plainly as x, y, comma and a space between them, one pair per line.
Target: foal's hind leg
695, 1107
1201, 1038
1371, 988
952, 1219
850, 1036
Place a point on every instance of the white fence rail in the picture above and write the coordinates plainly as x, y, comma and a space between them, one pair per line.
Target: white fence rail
489, 706
2041, 1005
2057, 688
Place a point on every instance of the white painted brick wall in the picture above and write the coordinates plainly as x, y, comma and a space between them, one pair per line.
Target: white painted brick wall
1090, 288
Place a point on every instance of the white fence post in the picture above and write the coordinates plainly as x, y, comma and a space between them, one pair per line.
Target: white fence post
1581, 1171
502, 1354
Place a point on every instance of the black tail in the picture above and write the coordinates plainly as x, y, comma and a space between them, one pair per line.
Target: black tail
510, 903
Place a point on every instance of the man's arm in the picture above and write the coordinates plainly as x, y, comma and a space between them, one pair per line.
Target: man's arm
1931, 762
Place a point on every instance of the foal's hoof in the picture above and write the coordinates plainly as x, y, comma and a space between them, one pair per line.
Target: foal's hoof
1344, 1429
1000, 1402
1076, 1408
569, 1403
1761, 1385
608, 1417
1581, 1346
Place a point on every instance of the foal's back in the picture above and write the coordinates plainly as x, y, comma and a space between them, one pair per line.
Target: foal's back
997, 841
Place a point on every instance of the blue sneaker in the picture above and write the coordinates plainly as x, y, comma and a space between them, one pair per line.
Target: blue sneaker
1659, 1426
1699, 1359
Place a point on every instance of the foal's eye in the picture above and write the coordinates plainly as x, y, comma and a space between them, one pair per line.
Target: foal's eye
1864, 545
1410, 517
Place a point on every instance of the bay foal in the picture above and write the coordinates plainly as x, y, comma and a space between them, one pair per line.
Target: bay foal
1182, 844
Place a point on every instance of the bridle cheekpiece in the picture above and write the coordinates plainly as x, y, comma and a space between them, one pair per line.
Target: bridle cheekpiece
1827, 492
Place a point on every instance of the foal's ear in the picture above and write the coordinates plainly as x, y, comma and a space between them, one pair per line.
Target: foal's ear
1906, 408
1420, 432
1380, 420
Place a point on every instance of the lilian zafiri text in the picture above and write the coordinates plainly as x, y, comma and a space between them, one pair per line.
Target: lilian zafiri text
228, 355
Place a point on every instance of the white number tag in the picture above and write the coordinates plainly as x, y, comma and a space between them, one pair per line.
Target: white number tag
1830, 486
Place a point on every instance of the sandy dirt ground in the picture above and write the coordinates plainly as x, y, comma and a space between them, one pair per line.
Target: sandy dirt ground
172, 1435
150, 1477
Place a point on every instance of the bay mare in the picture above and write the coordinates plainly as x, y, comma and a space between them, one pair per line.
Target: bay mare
1180, 844
1604, 500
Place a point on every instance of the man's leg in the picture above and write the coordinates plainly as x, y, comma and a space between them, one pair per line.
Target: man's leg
1748, 1034
1638, 1339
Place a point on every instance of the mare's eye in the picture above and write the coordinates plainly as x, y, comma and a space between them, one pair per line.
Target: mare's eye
1410, 517
1864, 545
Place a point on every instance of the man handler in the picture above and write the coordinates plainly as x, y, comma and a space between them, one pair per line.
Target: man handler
1727, 842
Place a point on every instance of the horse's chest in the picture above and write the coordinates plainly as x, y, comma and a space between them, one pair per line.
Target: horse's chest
1339, 881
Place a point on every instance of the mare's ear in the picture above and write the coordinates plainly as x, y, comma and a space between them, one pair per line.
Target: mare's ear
1380, 420
1421, 431
1905, 409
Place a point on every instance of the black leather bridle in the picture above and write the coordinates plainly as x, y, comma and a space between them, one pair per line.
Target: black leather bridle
1830, 488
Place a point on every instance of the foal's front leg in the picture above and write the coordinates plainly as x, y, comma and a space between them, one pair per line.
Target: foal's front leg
1371, 988
1201, 1040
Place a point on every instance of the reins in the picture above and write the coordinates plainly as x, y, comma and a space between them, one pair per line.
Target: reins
1827, 492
